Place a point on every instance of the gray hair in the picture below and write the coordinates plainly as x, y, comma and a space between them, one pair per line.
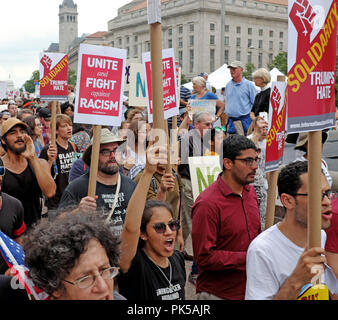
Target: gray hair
198, 116
199, 81
262, 73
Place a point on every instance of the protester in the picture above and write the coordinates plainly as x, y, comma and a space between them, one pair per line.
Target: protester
27, 177
45, 116
201, 92
225, 219
150, 267
11, 217
107, 187
60, 158
71, 94
217, 135
19, 102
134, 115
34, 130
4, 115
12, 108
80, 137
67, 108
73, 258
24, 113
191, 145
302, 145
261, 78
279, 263
78, 169
239, 96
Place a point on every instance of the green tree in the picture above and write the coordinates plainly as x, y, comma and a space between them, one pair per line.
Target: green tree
280, 62
249, 69
29, 84
183, 79
71, 77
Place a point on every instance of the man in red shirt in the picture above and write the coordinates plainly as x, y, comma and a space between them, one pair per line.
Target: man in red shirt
225, 219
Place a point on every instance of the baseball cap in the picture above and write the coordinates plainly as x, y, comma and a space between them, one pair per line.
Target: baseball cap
236, 64
45, 113
10, 123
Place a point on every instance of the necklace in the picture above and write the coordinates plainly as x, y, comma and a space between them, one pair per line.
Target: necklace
170, 270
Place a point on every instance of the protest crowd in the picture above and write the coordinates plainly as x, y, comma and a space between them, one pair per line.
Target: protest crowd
129, 241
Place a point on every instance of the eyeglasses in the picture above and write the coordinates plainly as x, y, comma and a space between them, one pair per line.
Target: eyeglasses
161, 227
106, 152
248, 161
2, 171
88, 281
222, 128
330, 194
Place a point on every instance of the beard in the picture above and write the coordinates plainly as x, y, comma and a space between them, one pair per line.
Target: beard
108, 169
16, 151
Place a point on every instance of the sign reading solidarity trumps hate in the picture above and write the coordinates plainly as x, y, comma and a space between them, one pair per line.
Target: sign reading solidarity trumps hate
99, 91
53, 76
311, 64
276, 130
170, 92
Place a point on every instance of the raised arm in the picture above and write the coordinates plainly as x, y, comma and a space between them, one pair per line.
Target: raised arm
131, 230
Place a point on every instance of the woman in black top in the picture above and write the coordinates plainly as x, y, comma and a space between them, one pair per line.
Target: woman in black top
261, 78
150, 267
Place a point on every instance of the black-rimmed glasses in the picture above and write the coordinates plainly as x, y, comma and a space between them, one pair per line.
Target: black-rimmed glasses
106, 152
330, 194
87, 281
248, 161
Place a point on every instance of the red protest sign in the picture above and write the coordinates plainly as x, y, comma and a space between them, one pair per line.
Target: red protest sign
53, 76
100, 85
276, 132
170, 97
312, 64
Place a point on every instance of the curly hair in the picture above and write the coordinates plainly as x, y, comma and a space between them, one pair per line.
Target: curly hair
289, 177
53, 248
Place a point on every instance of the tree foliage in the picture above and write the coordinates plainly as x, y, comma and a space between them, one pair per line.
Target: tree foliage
280, 62
29, 84
249, 69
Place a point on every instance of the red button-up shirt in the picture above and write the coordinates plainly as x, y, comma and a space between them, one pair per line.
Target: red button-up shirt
223, 225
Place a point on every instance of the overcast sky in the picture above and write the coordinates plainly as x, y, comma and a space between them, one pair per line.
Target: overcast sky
27, 27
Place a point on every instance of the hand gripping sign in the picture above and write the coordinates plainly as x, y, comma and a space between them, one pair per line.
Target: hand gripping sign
311, 64
53, 76
99, 91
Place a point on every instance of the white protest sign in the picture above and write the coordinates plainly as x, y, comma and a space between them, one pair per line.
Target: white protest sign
203, 172
203, 105
3, 89
154, 11
99, 91
137, 86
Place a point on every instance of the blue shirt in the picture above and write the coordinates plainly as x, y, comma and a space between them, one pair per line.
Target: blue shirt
208, 96
239, 98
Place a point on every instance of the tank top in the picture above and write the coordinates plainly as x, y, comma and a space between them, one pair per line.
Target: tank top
24, 186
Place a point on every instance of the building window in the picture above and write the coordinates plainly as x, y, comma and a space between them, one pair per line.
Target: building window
128, 51
191, 40
170, 32
260, 60
238, 42
212, 27
135, 38
170, 43
270, 58
212, 39
226, 28
249, 57
260, 32
281, 45
148, 46
120, 41
249, 43
226, 41
191, 62
180, 58
270, 45
191, 27
180, 42
249, 31
281, 35
180, 29
271, 33
112, 43
212, 60
135, 49
260, 44
238, 55
127, 40
238, 30
226, 56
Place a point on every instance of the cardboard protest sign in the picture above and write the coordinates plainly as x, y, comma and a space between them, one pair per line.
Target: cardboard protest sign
202, 105
170, 94
276, 130
203, 172
137, 86
154, 11
311, 65
53, 76
99, 91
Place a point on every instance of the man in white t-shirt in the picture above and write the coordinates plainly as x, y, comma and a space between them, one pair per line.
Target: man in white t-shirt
278, 264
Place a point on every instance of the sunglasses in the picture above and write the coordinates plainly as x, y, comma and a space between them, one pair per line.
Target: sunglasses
2, 171
222, 128
161, 227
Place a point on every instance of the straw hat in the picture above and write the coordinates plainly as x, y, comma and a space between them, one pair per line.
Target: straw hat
10, 123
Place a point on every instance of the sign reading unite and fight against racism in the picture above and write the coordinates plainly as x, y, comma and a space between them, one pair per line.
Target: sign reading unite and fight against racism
276, 129
53, 76
311, 64
99, 92
170, 93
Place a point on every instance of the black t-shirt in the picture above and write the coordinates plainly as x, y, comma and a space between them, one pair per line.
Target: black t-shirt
25, 187
78, 189
144, 281
261, 103
11, 221
60, 171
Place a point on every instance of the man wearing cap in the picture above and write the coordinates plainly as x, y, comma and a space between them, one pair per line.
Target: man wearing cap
45, 117
239, 97
26, 177
108, 186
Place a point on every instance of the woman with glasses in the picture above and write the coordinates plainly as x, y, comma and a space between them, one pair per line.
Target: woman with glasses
35, 132
73, 258
150, 267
